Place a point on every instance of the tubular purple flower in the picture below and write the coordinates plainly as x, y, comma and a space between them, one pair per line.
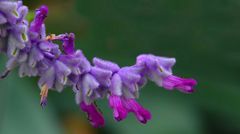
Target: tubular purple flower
119, 111
156, 67
130, 77
116, 85
75, 60
159, 70
68, 44
88, 84
56, 76
184, 85
94, 116
141, 113
38, 21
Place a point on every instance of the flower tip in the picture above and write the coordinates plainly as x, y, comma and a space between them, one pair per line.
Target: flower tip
44, 94
4, 74
43, 10
185, 85
119, 111
94, 116
43, 102
144, 116
120, 115
71, 35
99, 123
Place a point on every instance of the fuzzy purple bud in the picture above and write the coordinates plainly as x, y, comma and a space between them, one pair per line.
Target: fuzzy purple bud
68, 44
38, 21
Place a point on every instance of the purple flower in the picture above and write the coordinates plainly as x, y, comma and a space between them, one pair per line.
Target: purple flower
13, 32
124, 81
13, 27
141, 113
119, 111
124, 87
55, 76
102, 76
68, 45
156, 67
87, 85
94, 116
184, 85
75, 60
116, 85
159, 70
10, 10
131, 80
122, 106
36, 54
37, 49
40, 16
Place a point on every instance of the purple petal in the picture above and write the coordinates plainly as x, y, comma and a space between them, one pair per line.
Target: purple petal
68, 44
23, 11
25, 69
94, 116
129, 77
10, 10
108, 65
46, 46
62, 68
35, 56
102, 76
88, 85
156, 67
48, 78
119, 111
141, 113
38, 21
3, 19
62, 71
182, 84
116, 85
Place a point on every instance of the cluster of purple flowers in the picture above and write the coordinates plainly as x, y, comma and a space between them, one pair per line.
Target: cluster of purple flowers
36, 54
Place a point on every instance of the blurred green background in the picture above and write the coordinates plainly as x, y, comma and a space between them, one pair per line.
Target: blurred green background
203, 35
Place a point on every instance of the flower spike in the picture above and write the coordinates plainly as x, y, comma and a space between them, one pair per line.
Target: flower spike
36, 54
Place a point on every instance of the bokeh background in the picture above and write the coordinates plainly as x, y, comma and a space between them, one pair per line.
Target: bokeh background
203, 35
